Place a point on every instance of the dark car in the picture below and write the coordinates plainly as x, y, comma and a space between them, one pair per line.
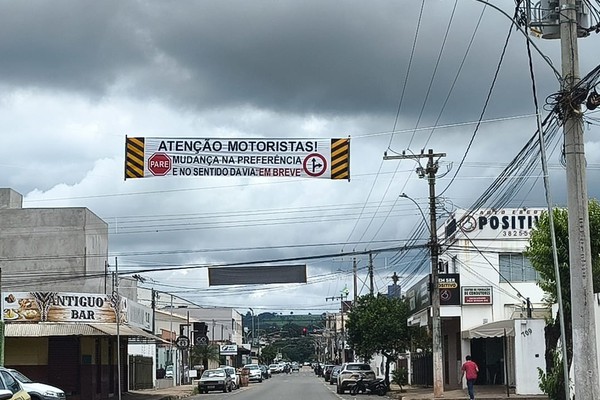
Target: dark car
215, 379
327, 372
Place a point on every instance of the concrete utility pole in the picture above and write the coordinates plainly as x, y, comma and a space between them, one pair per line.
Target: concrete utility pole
371, 288
580, 255
354, 272
429, 172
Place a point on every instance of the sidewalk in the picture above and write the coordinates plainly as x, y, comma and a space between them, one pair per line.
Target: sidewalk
481, 392
172, 393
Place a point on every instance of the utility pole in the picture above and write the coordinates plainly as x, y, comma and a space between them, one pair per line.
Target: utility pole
354, 272
580, 255
371, 289
429, 171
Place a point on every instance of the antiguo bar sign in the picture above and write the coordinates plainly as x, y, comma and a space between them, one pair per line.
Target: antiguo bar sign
61, 307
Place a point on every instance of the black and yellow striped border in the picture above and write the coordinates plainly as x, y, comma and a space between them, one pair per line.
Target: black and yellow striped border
134, 157
340, 159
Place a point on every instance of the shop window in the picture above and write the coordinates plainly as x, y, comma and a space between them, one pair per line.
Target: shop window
515, 267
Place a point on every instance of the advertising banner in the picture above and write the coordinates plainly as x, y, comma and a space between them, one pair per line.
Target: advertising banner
205, 157
476, 295
61, 307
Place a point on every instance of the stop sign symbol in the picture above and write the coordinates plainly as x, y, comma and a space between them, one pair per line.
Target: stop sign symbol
159, 164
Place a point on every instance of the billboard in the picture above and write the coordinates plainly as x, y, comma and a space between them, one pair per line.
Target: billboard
64, 307
477, 295
256, 275
206, 157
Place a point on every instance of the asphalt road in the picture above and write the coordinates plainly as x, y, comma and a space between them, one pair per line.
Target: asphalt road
303, 385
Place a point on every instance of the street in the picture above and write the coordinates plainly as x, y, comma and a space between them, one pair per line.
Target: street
295, 386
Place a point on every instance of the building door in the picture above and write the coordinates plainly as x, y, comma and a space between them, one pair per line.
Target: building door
63, 364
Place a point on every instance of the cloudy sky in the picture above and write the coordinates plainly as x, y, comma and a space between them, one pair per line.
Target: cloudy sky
77, 77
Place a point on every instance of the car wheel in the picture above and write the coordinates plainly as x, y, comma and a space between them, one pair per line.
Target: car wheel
339, 390
260, 380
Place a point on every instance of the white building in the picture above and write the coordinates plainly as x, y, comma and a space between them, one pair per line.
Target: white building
491, 306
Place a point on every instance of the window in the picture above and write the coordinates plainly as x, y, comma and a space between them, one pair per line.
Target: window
515, 267
11, 383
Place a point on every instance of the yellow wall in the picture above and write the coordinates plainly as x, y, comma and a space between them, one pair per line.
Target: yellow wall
26, 351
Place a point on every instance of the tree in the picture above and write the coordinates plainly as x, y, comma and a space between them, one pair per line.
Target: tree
377, 324
539, 252
202, 354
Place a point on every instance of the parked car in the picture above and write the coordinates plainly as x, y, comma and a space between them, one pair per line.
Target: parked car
38, 391
351, 372
169, 372
335, 371
215, 379
10, 388
274, 369
255, 373
266, 374
327, 371
234, 375
295, 366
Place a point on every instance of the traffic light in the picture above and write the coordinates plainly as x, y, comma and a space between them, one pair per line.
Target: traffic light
304, 331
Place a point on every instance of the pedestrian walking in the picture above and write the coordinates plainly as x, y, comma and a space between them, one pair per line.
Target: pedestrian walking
469, 371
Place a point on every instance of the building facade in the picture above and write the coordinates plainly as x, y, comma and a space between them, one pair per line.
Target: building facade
58, 301
491, 306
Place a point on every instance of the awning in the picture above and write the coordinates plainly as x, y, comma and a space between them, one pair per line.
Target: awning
493, 329
45, 329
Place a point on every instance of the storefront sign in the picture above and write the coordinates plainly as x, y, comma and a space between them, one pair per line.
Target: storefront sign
139, 315
449, 288
61, 307
228, 349
476, 295
506, 223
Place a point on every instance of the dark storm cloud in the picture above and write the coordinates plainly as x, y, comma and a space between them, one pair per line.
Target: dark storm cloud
288, 56
79, 46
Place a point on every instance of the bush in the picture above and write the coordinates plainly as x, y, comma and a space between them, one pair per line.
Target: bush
400, 377
553, 383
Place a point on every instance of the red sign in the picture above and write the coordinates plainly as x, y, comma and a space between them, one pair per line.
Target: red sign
159, 164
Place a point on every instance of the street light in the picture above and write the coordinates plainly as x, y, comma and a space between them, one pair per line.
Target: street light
251, 343
404, 195
436, 323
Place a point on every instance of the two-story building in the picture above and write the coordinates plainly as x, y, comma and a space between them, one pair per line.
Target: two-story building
490, 304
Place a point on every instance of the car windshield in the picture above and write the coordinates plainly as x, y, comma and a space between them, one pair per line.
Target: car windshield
213, 373
251, 366
358, 367
20, 377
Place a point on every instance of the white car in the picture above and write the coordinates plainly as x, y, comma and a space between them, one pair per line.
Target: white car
255, 372
274, 368
36, 390
350, 373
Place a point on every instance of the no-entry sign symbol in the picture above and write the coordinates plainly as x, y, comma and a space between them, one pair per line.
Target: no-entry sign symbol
159, 164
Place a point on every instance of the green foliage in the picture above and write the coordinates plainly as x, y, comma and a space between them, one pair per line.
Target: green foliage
378, 325
267, 354
204, 353
553, 383
400, 377
539, 251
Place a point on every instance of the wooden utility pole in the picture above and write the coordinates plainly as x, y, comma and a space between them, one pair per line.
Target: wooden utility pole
429, 171
580, 255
